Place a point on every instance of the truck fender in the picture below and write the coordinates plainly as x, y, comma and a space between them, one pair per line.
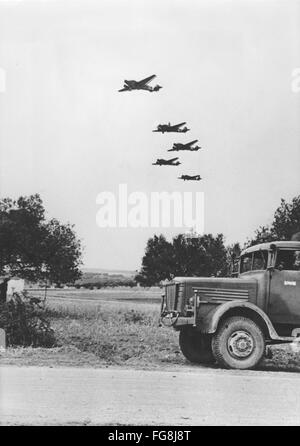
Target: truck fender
211, 321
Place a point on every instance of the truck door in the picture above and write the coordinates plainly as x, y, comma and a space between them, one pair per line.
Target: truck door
284, 300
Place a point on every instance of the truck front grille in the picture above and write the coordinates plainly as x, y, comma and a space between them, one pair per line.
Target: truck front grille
171, 296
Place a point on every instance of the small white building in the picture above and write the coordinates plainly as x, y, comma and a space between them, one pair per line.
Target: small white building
15, 285
8, 287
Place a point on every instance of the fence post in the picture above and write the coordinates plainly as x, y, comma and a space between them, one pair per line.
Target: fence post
2, 340
3, 291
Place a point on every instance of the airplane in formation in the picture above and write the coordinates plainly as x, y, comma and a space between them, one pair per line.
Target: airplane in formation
177, 128
190, 178
171, 162
140, 85
171, 128
188, 146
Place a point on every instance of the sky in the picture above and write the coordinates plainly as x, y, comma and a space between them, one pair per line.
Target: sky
66, 133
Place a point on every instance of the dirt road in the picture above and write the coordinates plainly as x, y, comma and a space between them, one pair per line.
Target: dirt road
188, 396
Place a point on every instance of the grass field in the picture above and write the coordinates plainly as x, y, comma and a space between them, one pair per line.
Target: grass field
79, 297
104, 327
116, 327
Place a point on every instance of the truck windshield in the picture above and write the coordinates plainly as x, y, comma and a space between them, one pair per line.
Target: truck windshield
254, 261
288, 260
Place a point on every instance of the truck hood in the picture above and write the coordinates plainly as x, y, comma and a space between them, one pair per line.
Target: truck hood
220, 288
218, 281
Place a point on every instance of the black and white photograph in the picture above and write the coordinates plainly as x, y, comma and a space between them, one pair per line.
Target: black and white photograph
149, 215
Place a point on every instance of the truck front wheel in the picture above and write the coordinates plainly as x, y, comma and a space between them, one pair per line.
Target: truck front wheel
239, 343
195, 346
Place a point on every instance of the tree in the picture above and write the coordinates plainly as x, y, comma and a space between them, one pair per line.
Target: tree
185, 256
262, 235
233, 252
199, 256
157, 263
32, 247
287, 219
285, 224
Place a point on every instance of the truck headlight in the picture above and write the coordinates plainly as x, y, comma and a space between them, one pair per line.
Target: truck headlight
191, 301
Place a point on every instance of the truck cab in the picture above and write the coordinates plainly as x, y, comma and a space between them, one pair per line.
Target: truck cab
276, 268
233, 320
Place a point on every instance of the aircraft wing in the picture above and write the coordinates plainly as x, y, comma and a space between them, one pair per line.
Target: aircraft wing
191, 143
124, 89
147, 80
178, 125
173, 159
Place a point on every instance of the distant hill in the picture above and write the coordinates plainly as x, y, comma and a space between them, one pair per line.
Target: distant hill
99, 277
102, 271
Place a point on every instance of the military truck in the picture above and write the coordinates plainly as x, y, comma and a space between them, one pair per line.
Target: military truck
233, 321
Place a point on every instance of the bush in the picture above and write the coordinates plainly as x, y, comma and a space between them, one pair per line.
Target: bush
25, 323
134, 317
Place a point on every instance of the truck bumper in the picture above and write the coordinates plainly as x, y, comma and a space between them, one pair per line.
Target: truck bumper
174, 320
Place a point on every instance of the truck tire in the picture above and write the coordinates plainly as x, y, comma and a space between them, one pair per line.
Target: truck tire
239, 343
195, 346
